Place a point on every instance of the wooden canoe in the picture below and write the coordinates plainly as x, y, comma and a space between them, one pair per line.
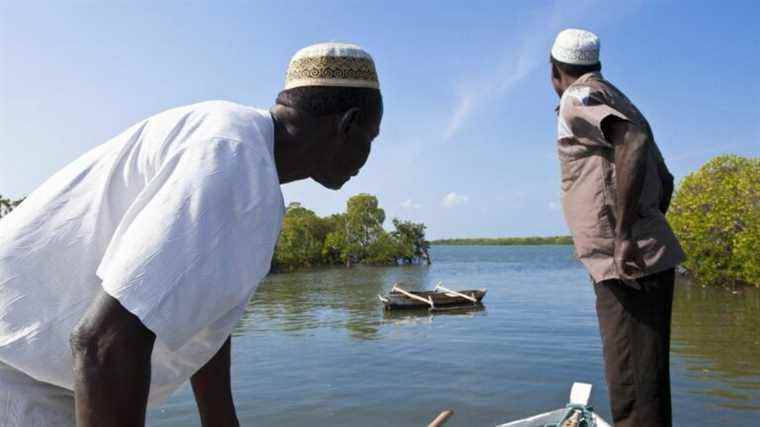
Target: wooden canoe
398, 298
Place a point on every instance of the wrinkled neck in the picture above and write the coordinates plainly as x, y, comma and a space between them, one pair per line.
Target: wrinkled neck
289, 145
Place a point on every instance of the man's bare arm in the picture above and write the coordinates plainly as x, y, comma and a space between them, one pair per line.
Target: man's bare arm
666, 178
213, 390
630, 168
111, 350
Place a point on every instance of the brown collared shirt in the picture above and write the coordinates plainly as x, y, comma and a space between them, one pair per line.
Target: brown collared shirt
587, 161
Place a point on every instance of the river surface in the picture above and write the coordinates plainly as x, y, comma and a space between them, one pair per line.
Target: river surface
317, 349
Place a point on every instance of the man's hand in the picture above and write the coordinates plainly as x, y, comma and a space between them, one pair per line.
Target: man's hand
111, 350
628, 260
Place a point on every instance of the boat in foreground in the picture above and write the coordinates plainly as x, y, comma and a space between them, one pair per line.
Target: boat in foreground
577, 413
439, 298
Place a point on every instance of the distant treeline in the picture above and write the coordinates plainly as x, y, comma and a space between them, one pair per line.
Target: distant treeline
507, 241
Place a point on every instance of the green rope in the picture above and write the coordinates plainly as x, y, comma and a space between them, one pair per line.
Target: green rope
585, 419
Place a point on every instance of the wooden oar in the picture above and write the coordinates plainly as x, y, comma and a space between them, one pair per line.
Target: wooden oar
413, 296
459, 294
441, 418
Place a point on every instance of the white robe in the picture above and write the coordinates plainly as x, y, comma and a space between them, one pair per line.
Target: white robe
177, 218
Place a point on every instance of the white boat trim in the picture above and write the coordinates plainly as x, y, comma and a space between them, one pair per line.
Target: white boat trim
533, 418
454, 293
580, 393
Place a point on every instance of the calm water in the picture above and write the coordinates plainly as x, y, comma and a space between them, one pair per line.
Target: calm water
317, 349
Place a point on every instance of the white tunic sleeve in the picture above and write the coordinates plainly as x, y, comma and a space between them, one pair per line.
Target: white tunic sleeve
197, 240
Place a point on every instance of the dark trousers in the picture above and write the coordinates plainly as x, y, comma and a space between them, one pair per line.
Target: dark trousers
635, 329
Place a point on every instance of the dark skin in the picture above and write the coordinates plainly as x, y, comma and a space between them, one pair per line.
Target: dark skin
631, 147
112, 348
666, 178
212, 388
630, 168
329, 149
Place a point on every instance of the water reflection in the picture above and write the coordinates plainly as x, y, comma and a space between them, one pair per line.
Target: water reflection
423, 315
337, 298
317, 348
716, 333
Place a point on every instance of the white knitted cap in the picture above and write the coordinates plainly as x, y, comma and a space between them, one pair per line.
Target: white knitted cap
332, 64
576, 47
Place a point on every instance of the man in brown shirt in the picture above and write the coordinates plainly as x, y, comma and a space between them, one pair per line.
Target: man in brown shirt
616, 190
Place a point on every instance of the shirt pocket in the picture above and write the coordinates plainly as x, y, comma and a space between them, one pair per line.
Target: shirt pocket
572, 158
570, 171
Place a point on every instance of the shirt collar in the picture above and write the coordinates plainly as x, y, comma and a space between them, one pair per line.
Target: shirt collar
594, 75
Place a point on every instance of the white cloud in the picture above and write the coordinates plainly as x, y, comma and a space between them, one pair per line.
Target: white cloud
453, 199
410, 204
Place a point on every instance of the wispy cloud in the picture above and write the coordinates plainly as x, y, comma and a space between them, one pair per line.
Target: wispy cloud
453, 199
521, 58
461, 113
410, 204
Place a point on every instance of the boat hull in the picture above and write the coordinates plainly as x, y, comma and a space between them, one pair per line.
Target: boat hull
398, 301
548, 418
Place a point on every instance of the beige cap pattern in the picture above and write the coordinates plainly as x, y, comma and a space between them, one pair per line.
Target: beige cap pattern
332, 64
576, 47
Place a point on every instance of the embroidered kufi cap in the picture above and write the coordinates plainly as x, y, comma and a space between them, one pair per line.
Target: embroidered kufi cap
332, 64
576, 47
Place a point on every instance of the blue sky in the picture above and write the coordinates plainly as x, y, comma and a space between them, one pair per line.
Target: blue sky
468, 138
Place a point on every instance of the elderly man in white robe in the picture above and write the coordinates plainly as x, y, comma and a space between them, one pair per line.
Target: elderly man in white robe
123, 275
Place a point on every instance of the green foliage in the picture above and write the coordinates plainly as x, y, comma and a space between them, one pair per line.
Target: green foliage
508, 241
364, 224
384, 250
716, 215
356, 236
301, 239
7, 205
412, 238
335, 247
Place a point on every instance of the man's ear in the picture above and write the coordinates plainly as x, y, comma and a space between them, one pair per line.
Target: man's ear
348, 121
555, 72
